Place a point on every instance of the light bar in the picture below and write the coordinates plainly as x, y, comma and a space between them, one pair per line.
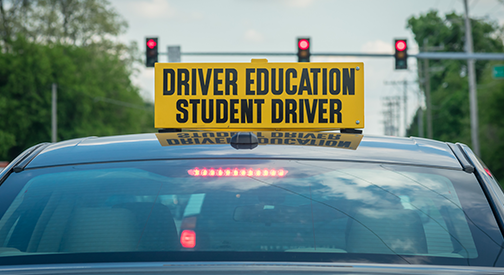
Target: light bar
237, 172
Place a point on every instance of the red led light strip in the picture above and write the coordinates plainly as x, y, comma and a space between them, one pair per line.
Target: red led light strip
237, 172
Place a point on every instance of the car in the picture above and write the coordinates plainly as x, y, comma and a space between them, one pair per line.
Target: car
247, 175
348, 202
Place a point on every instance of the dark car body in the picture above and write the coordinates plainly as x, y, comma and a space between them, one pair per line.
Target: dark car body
249, 237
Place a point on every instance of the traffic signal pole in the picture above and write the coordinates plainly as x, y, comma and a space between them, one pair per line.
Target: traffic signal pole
426, 74
472, 84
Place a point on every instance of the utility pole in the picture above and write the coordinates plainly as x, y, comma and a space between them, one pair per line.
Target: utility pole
54, 118
420, 113
391, 114
405, 100
427, 92
420, 116
404, 83
473, 101
388, 122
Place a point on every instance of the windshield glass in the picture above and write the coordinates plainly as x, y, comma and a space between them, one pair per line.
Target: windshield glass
333, 211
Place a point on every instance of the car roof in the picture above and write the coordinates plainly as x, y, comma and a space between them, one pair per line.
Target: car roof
409, 151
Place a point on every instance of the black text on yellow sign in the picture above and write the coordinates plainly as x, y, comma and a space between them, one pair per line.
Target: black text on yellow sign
259, 95
320, 139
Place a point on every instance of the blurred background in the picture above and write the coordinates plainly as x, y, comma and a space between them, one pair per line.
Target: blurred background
88, 56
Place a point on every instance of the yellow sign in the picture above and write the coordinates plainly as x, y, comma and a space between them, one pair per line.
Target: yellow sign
326, 139
259, 95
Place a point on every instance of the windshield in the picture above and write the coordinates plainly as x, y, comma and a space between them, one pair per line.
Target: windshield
330, 211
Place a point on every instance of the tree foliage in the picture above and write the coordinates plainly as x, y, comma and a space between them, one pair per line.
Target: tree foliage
77, 22
491, 115
448, 79
70, 43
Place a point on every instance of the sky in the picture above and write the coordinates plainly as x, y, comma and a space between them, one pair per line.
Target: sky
362, 26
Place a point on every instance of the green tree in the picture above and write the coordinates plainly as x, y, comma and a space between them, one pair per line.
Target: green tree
76, 22
448, 78
71, 43
491, 117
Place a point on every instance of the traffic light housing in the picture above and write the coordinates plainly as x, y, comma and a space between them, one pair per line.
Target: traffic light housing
151, 51
303, 52
401, 54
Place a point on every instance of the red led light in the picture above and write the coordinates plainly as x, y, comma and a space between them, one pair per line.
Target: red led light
188, 239
281, 173
303, 44
235, 172
151, 43
400, 45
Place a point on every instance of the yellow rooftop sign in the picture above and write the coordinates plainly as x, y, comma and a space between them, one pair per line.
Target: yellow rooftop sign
321, 139
259, 95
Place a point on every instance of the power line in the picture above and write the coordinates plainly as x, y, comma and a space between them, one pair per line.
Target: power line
403, 83
391, 115
107, 100
495, 9
120, 103
451, 4
474, 4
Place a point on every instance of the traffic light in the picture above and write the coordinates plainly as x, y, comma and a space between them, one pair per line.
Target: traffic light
151, 51
303, 46
401, 54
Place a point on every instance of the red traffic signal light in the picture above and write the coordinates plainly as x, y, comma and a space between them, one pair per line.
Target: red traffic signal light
151, 51
303, 49
401, 54
151, 43
400, 45
303, 44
